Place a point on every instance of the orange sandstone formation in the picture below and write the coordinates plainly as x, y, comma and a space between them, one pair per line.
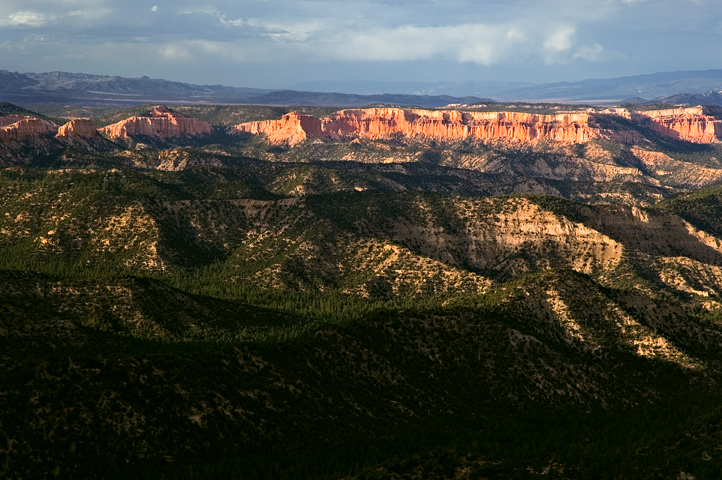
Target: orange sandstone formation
78, 127
376, 123
690, 124
292, 128
161, 122
17, 127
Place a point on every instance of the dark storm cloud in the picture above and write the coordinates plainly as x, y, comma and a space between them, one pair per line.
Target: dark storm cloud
278, 43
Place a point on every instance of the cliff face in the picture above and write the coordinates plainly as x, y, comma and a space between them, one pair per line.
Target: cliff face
79, 127
690, 124
292, 128
17, 127
160, 123
377, 123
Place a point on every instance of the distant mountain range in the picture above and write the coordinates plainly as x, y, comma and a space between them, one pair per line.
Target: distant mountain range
692, 87
611, 90
79, 88
708, 98
647, 88
458, 89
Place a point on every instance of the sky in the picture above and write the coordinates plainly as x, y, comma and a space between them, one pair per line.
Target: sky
279, 43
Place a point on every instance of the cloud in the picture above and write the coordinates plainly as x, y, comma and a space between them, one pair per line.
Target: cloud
207, 9
482, 44
277, 31
230, 23
174, 52
592, 53
28, 19
560, 40
476, 43
58, 17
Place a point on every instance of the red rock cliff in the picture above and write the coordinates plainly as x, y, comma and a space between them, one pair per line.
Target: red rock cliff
161, 122
376, 123
690, 124
17, 127
292, 128
78, 127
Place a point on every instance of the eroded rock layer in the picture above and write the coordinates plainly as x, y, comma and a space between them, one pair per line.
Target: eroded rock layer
691, 124
377, 123
17, 127
79, 127
161, 122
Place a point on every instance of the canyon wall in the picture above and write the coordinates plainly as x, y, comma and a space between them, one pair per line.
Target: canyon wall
161, 122
17, 127
292, 128
695, 124
690, 124
377, 123
78, 128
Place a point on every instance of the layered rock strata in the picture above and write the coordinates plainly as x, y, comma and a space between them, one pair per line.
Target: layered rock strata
160, 122
377, 123
17, 127
690, 124
78, 128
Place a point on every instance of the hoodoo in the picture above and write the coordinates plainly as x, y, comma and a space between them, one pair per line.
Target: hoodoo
160, 122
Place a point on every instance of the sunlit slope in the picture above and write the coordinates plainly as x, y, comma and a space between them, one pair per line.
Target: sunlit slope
373, 245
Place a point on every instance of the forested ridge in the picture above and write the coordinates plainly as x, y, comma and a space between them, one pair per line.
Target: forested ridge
181, 309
